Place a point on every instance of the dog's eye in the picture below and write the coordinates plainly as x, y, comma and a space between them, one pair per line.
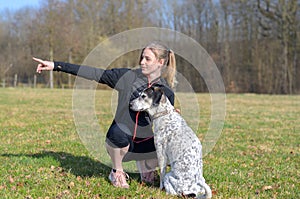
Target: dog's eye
143, 96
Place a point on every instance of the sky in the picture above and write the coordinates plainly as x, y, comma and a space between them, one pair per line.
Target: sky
17, 4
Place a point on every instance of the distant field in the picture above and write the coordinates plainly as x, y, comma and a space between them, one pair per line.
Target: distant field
42, 156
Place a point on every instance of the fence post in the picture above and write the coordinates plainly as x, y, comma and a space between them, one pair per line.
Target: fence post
16, 80
69, 81
34, 81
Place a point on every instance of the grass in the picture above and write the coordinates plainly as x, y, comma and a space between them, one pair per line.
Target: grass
42, 156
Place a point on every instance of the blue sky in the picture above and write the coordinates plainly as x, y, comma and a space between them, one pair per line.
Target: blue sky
16, 4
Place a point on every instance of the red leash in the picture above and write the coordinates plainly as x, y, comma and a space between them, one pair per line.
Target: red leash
136, 124
137, 119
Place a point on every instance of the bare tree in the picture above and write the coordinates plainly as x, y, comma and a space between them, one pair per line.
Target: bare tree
281, 16
255, 44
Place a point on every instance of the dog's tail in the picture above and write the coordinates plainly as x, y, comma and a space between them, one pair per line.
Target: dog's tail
208, 193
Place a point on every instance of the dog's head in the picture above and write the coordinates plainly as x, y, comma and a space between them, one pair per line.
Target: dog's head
150, 97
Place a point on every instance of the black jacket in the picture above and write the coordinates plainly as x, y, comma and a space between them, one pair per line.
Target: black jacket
129, 83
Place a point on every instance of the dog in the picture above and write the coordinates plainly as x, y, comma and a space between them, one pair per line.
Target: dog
176, 144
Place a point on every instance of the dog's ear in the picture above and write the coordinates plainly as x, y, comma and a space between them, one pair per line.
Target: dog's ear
149, 91
157, 95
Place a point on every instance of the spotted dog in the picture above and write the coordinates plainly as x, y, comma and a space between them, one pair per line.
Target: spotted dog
176, 144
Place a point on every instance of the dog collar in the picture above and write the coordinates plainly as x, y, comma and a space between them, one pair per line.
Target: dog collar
163, 113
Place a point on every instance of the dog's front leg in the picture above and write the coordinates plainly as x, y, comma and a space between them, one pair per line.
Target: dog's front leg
162, 163
162, 176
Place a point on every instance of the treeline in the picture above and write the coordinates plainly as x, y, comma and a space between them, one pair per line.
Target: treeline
255, 44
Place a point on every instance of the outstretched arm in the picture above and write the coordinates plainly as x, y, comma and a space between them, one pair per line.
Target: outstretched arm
108, 77
86, 72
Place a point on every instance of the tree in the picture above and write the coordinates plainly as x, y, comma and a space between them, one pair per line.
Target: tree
281, 16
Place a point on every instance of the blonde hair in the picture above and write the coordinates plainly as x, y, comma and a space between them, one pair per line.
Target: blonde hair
162, 52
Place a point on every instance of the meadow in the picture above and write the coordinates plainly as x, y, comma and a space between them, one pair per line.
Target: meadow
42, 155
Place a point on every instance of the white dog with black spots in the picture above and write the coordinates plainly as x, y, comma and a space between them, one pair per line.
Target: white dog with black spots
176, 144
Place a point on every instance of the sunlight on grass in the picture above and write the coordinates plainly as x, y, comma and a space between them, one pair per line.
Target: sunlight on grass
42, 156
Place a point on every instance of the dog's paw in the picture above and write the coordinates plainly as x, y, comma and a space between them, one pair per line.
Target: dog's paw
203, 196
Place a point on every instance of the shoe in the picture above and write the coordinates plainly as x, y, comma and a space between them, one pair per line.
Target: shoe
148, 173
118, 179
149, 177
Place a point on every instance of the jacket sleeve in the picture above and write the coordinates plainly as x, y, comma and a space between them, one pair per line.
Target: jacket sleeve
108, 77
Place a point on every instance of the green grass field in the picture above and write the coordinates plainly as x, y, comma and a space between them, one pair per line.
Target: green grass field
42, 156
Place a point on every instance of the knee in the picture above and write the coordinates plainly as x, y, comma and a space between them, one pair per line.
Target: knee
118, 136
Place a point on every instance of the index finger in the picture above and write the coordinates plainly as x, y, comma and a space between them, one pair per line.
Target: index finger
38, 60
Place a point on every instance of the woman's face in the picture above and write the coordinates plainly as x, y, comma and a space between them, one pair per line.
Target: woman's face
150, 65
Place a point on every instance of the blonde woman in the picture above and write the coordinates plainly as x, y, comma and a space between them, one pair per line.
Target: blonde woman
130, 135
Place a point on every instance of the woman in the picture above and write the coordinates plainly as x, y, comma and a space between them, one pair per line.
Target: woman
130, 135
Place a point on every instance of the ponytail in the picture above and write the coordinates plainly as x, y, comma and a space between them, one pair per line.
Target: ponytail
169, 73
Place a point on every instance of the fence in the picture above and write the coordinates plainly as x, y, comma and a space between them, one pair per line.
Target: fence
37, 81
17, 82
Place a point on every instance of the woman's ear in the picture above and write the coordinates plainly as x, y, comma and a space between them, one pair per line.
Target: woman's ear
161, 62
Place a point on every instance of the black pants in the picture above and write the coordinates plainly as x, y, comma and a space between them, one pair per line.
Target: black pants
120, 136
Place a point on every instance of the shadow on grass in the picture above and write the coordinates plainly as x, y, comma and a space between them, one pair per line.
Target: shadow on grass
82, 166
